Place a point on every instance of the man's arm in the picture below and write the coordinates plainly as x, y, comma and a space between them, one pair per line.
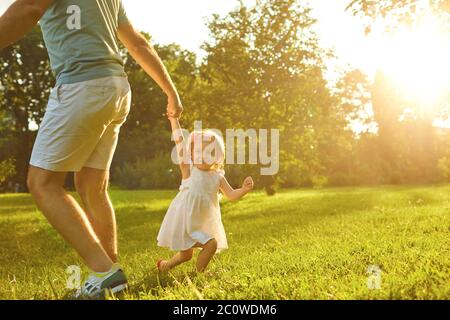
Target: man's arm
20, 18
146, 56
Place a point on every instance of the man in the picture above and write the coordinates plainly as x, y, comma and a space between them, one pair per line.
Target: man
86, 109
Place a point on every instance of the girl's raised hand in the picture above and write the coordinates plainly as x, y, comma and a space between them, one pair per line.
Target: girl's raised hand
248, 184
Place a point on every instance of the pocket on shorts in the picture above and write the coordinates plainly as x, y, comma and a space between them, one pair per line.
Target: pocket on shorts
72, 91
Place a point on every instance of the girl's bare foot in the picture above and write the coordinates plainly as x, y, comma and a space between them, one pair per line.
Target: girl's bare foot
160, 264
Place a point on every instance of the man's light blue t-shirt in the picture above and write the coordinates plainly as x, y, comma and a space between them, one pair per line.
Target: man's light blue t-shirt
81, 39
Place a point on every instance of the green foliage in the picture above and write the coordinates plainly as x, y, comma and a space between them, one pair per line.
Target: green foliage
397, 12
393, 146
444, 168
264, 69
304, 244
147, 132
7, 169
26, 80
158, 172
408, 147
319, 181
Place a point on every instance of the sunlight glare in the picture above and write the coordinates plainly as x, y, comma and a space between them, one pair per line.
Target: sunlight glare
418, 61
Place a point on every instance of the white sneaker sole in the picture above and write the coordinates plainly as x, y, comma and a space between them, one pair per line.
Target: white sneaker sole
119, 288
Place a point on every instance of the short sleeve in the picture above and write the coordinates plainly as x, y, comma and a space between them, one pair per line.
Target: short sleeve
122, 13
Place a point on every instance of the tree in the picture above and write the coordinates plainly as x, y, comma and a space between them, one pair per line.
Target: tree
7, 169
352, 155
407, 145
145, 136
406, 140
264, 69
26, 80
397, 12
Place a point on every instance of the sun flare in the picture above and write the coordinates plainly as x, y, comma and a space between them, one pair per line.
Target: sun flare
417, 60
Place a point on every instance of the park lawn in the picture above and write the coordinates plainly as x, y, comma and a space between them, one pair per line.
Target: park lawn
299, 244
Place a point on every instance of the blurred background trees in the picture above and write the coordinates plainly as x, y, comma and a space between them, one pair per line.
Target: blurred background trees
263, 69
25, 83
398, 12
410, 146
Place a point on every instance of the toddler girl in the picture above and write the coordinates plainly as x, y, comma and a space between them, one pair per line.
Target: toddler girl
193, 219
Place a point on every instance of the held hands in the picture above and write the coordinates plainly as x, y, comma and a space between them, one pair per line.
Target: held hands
174, 106
248, 184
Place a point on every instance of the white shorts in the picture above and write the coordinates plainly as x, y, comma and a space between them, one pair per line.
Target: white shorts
81, 125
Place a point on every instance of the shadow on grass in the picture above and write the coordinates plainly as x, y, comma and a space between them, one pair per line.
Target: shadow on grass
152, 283
32, 242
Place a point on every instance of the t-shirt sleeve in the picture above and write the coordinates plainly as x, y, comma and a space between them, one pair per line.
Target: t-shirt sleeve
122, 13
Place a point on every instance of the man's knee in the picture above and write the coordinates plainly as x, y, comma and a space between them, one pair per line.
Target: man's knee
40, 182
91, 186
33, 183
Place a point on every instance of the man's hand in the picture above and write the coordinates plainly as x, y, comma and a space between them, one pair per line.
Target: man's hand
248, 184
174, 107
20, 18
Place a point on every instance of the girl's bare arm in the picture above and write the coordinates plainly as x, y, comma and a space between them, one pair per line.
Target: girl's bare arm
236, 194
182, 155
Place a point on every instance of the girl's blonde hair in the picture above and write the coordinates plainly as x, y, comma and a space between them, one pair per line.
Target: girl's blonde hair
218, 147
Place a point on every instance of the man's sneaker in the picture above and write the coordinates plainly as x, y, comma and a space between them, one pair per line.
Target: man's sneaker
98, 284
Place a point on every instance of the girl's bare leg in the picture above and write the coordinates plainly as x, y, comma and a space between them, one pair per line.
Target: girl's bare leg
179, 258
207, 253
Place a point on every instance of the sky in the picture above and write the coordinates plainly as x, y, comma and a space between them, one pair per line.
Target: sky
183, 22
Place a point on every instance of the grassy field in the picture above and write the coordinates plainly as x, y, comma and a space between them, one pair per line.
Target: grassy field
302, 244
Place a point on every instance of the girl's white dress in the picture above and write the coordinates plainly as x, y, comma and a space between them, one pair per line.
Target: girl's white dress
194, 215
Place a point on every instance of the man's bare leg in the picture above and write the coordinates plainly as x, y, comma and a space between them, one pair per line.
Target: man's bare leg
92, 186
67, 217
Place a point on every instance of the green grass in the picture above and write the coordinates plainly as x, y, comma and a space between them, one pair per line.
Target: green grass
299, 244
